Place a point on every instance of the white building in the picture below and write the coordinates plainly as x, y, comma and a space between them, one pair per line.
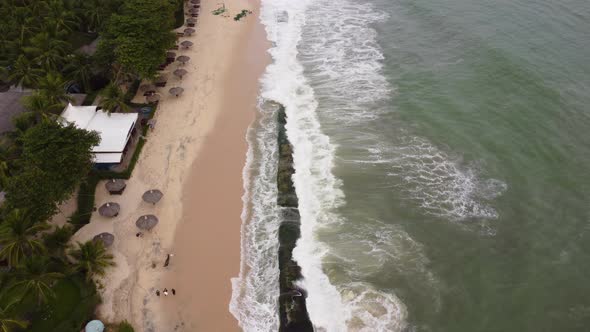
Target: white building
114, 130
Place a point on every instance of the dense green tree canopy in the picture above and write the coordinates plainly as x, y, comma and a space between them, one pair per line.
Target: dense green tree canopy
54, 160
113, 99
8, 322
17, 236
139, 35
34, 277
92, 258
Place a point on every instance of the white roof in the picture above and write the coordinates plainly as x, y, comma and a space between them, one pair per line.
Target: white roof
113, 128
107, 158
79, 115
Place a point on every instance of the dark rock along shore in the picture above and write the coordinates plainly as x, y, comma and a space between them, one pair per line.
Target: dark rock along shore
292, 309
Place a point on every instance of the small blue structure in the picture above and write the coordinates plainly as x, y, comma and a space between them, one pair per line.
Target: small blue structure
94, 326
146, 110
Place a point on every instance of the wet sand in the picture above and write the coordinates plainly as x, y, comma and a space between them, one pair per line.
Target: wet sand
207, 241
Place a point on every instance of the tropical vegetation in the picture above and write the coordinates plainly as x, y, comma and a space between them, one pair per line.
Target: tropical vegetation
52, 49
92, 259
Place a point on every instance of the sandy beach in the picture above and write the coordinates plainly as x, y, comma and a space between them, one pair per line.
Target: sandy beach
195, 155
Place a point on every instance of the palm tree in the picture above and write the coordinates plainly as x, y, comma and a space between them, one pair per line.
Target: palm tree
95, 12
46, 51
3, 174
59, 18
8, 322
17, 239
35, 278
80, 68
4, 168
56, 242
23, 73
92, 258
13, 44
113, 99
40, 106
53, 87
37, 8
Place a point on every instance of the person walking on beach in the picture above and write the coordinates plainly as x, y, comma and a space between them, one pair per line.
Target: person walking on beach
165, 291
158, 292
168, 260
173, 291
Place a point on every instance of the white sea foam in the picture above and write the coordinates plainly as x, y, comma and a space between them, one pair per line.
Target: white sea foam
437, 181
372, 310
255, 291
331, 46
316, 187
352, 64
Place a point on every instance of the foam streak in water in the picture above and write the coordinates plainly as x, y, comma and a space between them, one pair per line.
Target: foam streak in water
341, 307
316, 187
255, 291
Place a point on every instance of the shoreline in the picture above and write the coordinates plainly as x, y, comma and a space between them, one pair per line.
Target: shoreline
209, 234
198, 137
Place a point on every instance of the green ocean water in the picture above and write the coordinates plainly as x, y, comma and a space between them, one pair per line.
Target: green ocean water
464, 159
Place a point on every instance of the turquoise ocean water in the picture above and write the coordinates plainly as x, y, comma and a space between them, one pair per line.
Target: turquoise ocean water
442, 151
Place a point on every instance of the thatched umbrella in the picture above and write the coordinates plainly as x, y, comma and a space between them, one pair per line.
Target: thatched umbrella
115, 186
153, 98
191, 20
147, 87
146, 222
161, 79
195, 1
183, 59
152, 196
107, 239
186, 43
170, 55
109, 209
176, 91
189, 31
180, 72
194, 10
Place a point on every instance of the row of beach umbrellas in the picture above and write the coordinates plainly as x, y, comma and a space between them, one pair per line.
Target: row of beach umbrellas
117, 186
175, 91
145, 223
111, 209
180, 72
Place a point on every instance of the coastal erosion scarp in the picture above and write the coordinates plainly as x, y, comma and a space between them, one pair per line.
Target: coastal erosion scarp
292, 308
